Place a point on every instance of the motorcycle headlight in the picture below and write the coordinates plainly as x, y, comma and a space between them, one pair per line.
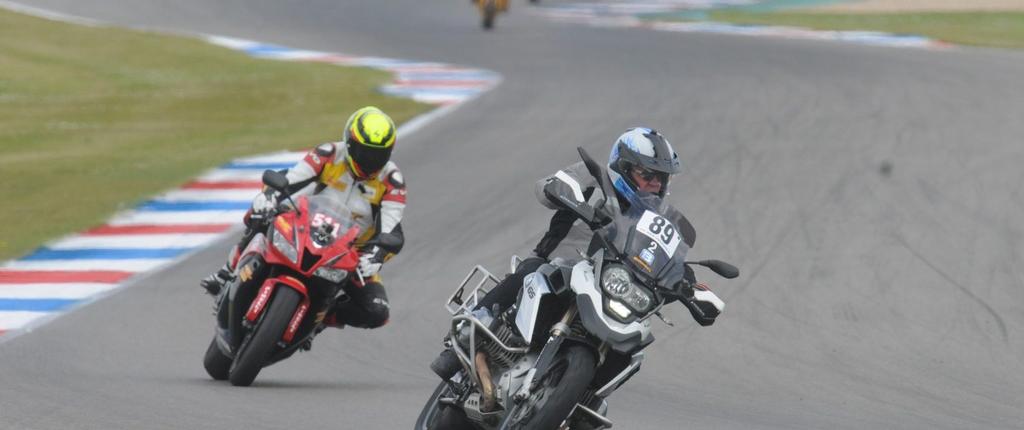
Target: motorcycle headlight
284, 245
618, 283
620, 309
331, 274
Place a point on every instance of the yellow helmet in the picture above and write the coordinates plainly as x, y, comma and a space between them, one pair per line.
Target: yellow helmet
370, 137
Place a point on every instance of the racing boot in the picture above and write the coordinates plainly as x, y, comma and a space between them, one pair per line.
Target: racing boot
336, 315
446, 365
215, 282
331, 320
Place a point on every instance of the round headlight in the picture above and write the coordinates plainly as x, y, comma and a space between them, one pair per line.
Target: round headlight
616, 281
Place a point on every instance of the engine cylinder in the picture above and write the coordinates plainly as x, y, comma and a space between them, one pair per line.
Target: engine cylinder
498, 355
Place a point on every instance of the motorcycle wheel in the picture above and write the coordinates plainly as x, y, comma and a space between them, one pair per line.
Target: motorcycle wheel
562, 387
216, 363
436, 416
490, 9
254, 351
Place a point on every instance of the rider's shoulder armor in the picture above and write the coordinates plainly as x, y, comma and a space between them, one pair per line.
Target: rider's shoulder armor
321, 156
575, 175
394, 183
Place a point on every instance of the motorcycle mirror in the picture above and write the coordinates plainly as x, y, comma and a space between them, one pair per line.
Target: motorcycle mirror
592, 166
723, 269
275, 180
595, 170
386, 241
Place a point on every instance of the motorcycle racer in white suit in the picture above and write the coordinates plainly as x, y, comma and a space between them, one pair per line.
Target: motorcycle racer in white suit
358, 174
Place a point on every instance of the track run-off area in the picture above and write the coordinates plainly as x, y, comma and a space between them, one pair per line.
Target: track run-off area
871, 196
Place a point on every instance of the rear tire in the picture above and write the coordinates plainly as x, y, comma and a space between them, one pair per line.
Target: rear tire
216, 363
490, 9
253, 353
570, 374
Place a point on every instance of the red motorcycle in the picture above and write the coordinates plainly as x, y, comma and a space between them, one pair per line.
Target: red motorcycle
287, 278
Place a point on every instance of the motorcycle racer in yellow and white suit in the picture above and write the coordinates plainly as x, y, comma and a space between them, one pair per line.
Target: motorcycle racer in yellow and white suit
357, 173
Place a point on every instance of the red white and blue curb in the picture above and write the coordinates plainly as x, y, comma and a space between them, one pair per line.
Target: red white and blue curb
78, 269
426, 82
73, 271
626, 15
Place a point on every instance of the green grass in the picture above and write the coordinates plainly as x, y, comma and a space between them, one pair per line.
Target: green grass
993, 29
93, 120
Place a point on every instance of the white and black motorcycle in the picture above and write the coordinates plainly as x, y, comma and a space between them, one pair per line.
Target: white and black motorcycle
577, 331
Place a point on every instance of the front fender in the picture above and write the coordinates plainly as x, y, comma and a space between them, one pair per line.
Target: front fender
259, 304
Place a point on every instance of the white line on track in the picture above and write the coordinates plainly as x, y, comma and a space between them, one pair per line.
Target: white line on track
53, 291
142, 241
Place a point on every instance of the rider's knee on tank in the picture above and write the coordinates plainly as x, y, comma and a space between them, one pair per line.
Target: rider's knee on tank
529, 265
375, 304
504, 293
525, 267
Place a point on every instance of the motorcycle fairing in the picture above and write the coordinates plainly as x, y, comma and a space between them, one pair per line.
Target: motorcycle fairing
590, 302
534, 288
258, 245
652, 242
314, 213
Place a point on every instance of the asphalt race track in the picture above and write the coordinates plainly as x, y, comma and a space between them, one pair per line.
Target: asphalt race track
871, 297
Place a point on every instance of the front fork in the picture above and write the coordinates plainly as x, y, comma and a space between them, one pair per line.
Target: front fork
259, 304
559, 332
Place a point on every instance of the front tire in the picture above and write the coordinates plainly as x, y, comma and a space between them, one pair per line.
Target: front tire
568, 378
216, 363
436, 416
253, 352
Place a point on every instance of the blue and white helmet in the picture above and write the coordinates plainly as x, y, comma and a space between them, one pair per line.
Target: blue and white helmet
645, 148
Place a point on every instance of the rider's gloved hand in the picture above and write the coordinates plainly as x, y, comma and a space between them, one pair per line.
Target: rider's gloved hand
601, 218
370, 261
682, 291
704, 310
685, 290
264, 205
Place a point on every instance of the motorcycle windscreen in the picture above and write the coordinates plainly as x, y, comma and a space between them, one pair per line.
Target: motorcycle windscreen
329, 219
652, 243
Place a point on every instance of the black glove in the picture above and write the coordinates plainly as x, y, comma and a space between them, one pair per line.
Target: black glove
601, 218
704, 312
